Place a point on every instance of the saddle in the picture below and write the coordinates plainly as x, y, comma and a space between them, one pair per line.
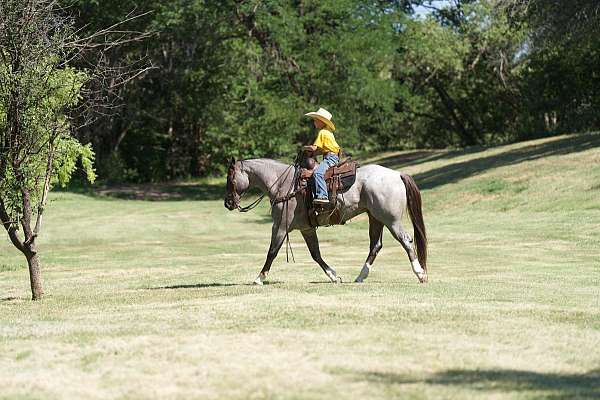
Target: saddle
339, 178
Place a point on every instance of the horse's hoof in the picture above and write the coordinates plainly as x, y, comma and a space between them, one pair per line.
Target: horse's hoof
332, 277
339, 280
423, 278
259, 280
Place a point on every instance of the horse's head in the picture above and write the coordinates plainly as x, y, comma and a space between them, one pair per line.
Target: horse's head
237, 184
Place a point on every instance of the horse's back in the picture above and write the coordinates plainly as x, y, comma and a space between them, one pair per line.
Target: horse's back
380, 187
374, 176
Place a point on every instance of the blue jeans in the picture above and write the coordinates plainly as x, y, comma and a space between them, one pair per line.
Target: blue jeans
320, 186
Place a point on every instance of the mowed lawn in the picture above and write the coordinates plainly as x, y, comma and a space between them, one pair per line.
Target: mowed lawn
149, 295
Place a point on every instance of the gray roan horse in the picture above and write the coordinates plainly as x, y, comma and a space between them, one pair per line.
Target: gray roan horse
382, 193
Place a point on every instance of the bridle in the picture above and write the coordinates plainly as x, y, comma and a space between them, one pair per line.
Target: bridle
231, 190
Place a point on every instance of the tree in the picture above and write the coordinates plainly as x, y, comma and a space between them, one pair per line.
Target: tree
566, 21
561, 86
40, 92
460, 71
234, 78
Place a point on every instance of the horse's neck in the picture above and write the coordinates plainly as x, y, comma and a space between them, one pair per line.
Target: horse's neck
267, 175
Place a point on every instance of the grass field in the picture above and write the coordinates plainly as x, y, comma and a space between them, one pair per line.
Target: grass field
148, 292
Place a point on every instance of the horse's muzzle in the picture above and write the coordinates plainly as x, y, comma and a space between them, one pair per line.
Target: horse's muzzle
230, 204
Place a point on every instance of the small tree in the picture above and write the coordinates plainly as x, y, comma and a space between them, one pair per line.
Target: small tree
40, 94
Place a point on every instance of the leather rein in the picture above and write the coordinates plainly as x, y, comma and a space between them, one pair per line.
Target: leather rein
231, 183
252, 205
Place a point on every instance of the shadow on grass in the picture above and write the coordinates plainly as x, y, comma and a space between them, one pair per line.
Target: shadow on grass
560, 386
158, 192
399, 161
209, 285
153, 192
465, 169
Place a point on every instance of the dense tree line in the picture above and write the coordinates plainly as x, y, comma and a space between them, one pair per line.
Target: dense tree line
234, 77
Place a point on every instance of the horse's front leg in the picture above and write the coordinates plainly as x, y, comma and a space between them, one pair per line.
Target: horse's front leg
312, 241
277, 237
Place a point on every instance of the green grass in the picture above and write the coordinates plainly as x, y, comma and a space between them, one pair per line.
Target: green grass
148, 292
12, 267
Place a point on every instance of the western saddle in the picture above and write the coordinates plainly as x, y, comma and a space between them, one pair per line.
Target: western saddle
338, 178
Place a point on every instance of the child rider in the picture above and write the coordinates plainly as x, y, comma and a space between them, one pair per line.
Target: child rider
324, 144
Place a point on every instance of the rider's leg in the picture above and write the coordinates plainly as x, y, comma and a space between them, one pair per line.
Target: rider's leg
319, 175
320, 185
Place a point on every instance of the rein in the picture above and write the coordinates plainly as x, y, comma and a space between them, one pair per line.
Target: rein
251, 205
291, 193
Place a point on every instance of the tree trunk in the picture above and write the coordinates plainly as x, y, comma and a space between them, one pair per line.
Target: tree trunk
467, 137
35, 275
197, 160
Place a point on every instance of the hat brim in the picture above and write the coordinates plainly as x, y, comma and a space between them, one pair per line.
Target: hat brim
324, 120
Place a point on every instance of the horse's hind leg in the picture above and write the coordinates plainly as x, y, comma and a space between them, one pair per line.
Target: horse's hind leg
312, 241
375, 238
406, 241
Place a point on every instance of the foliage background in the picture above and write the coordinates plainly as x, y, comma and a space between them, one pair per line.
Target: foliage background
235, 77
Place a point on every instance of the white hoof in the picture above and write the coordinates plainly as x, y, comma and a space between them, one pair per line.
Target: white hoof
419, 271
333, 277
260, 279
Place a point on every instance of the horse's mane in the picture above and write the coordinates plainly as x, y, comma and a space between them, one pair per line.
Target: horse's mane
266, 161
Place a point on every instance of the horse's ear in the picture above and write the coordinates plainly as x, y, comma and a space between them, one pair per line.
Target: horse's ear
232, 160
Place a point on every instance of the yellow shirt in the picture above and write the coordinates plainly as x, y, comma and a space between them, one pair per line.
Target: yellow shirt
326, 141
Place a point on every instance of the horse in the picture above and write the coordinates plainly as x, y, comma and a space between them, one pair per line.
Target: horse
384, 194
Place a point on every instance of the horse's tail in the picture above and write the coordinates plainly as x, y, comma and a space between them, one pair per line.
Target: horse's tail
413, 197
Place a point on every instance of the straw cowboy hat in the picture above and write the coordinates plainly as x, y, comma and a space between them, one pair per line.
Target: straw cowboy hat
324, 116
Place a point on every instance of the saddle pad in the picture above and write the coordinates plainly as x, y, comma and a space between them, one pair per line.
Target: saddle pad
346, 182
340, 184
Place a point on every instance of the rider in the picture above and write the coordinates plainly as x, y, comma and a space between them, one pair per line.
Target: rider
324, 144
